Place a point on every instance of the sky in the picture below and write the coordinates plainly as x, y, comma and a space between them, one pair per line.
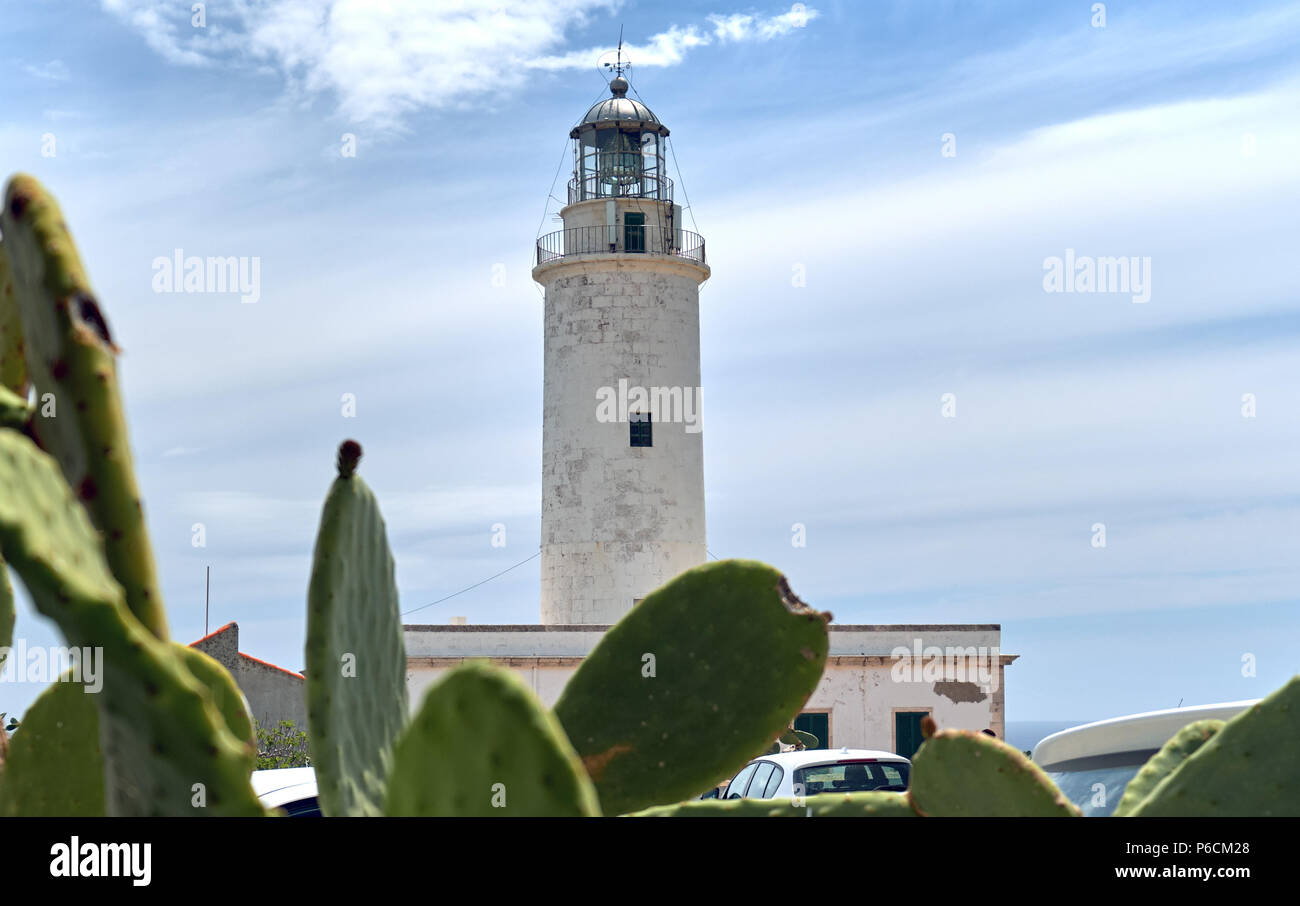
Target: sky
879, 186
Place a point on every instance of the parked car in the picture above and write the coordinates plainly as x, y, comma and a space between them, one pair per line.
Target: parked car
812, 771
291, 789
1093, 763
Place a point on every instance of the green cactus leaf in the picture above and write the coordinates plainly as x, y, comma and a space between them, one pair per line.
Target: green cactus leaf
481, 746
705, 672
823, 805
13, 357
54, 768
1247, 769
808, 740
71, 355
355, 657
14, 410
166, 746
1184, 744
6, 612
225, 692
962, 773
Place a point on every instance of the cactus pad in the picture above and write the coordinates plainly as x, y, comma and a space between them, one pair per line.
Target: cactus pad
823, 805
70, 353
54, 768
961, 773
165, 744
705, 672
223, 689
1177, 750
13, 358
356, 660
480, 746
14, 411
1247, 769
6, 612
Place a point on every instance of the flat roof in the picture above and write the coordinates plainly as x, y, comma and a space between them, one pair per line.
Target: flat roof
593, 627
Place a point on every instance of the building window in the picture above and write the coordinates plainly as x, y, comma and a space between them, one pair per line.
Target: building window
639, 428
907, 732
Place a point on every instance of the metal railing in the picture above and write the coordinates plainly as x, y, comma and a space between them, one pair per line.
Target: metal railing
627, 239
643, 185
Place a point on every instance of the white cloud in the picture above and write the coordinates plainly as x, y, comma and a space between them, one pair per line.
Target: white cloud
749, 27
385, 60
53, 71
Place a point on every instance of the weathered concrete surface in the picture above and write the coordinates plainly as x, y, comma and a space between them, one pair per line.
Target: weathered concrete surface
617, 521
273, 693
866, 681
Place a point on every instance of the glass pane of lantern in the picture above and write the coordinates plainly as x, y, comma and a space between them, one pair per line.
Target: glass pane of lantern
620, 157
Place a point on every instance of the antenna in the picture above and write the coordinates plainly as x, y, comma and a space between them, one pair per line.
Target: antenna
619, 66
207, 585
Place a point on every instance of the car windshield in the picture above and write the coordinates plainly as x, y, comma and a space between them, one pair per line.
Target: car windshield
851, 777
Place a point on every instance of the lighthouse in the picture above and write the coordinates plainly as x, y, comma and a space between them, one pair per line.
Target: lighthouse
623, 465
622, 441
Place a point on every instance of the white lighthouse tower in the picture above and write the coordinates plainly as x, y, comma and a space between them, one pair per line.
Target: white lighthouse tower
622, 449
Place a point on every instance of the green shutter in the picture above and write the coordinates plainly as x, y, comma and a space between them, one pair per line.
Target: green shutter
907, 731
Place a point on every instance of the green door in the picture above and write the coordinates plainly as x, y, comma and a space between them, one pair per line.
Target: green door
633, 232
818, 724
907, 731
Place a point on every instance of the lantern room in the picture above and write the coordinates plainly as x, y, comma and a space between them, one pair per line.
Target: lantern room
618, 150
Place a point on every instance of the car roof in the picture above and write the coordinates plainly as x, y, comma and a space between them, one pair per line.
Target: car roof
267, 782
1131, 733
805, 757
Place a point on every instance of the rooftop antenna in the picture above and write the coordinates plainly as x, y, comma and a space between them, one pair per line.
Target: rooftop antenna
619, 66
207, 587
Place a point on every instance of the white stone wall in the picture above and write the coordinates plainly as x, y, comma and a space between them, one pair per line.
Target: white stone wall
861, 699
861, 687
617, 521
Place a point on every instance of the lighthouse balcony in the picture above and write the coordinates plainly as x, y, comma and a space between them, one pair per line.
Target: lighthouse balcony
626, 239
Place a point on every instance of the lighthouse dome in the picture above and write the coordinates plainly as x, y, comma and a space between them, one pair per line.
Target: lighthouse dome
621, 111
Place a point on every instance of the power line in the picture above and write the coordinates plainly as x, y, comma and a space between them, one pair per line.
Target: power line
475, 585
672, 149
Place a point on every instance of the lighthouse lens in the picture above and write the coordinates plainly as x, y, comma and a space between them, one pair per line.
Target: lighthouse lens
619, 157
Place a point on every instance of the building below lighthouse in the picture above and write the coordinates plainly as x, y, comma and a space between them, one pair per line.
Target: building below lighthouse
623, 465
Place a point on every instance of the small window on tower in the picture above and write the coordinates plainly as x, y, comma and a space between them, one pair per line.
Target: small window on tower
639, 427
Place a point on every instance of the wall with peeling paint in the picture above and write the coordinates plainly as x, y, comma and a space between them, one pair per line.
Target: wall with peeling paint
861, 687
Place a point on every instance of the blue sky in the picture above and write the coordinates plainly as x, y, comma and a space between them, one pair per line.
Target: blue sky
808, 143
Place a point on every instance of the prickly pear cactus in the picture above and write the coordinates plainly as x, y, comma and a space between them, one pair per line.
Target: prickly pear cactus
166, 746
965, 774
356, 660
54, 768
14, 411
1246, 769
6, 612
807, 740
483, 746
13, 358
71, 354
225, 693
823, 805
724, 652
1177, 750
